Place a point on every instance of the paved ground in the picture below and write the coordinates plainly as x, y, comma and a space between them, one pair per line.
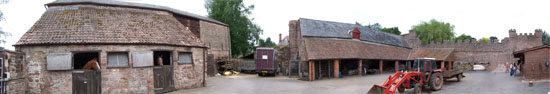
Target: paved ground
475, 82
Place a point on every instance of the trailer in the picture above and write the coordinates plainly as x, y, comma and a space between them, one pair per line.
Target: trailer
266, 61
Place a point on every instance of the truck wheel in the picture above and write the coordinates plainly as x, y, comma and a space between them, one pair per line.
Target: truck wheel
401, 89
459, 77
436, 81
417, 89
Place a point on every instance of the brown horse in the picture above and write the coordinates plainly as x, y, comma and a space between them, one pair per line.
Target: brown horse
92, 65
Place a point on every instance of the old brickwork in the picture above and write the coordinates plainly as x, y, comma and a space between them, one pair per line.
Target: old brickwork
217, 38
118, 80
494, 53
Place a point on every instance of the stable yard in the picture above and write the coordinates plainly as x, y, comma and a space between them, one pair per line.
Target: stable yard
475, 82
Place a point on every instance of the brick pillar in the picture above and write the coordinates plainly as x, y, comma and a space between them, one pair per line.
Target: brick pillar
336, 68
442, 65
360, 68
311, 70
396, 66
380, 66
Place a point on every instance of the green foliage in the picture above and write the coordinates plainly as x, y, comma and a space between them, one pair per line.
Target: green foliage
377, 26
463, 37
484, 39
266, 43
434, 31
244, 33
493, 39
545, 38
2, 32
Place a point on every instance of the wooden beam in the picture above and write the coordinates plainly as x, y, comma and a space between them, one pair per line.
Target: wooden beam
396, 66
336, 69
380, 66
360, 69
442, 65
311, 70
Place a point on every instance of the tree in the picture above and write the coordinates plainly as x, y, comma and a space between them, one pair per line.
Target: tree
2, 32
434, 31
463, 37
244, 33
545, 38
484, 39
493, 39
266, 43
377, 26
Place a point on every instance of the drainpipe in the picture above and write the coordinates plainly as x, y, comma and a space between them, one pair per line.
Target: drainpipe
204, 55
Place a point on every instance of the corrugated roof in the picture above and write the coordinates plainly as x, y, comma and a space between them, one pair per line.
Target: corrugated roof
437, 53
334, 48
129, 4
91, 24
318, 28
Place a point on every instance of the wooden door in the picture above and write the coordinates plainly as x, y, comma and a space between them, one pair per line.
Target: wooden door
163, 76
211, 67
86, 82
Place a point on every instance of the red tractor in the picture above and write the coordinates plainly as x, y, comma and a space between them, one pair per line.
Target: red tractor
424, 73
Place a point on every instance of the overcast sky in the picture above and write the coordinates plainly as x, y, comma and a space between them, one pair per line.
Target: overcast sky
479, 18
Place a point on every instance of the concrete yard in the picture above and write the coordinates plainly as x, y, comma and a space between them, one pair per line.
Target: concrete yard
475, 82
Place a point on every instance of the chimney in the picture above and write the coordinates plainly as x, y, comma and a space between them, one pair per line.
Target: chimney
356, 34
280, 38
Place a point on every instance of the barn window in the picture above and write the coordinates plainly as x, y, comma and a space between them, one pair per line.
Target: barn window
185, 58
142, 58
117, 59
81, 60
58, 61
162, 58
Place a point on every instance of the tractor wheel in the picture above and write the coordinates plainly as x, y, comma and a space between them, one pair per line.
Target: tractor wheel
417, 89
459, 77
436, 81
401, 89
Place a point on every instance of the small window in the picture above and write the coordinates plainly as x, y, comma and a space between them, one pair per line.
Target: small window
117, 59
185, 58
142, 59
58, 61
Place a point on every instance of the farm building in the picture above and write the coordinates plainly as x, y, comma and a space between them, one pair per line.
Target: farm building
327, 49
103, 46
534, 63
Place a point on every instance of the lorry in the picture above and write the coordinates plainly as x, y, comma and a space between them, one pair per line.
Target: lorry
266, 61
424, 73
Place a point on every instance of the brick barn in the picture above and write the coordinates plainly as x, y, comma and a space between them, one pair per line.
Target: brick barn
325, 49
103, 46
534, 63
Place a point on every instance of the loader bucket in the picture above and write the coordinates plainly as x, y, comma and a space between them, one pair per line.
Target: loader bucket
375, 89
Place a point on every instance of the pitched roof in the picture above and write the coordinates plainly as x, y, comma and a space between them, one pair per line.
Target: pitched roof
445, 54
318, 28
130, 4
91, 24
531, 49
334, 48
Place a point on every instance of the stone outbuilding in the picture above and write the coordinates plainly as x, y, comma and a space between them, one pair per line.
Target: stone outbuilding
103, 46
534, 63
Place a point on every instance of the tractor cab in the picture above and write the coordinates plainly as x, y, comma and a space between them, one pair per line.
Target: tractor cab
424, 64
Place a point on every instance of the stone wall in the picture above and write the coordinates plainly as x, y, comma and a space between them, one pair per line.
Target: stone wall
217, 38
116, 80
493, 52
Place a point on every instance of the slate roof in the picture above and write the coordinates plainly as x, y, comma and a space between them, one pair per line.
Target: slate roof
442, 54
130, 4
531, 49
91, 24
334, 48
318, 28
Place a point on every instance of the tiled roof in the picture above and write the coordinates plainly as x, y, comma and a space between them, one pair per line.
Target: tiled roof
91, 24
129, 4
334, 48
317, 28
445, 54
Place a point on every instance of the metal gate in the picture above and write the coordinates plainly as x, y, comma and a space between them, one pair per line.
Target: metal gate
86, 82
211, 69
163, 76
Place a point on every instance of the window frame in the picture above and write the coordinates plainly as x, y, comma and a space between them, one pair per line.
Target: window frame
119, 66
183, 63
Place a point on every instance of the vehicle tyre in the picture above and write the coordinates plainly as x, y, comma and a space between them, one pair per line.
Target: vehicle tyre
436, 81
417, 89
459, 77
401, 89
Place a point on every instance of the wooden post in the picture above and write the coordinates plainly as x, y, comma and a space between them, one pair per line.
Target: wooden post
380, 66
311, 70
442, 65
396, 66
336, 69
360, 68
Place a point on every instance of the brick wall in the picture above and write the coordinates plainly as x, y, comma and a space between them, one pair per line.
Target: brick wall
217, 38
114, 80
